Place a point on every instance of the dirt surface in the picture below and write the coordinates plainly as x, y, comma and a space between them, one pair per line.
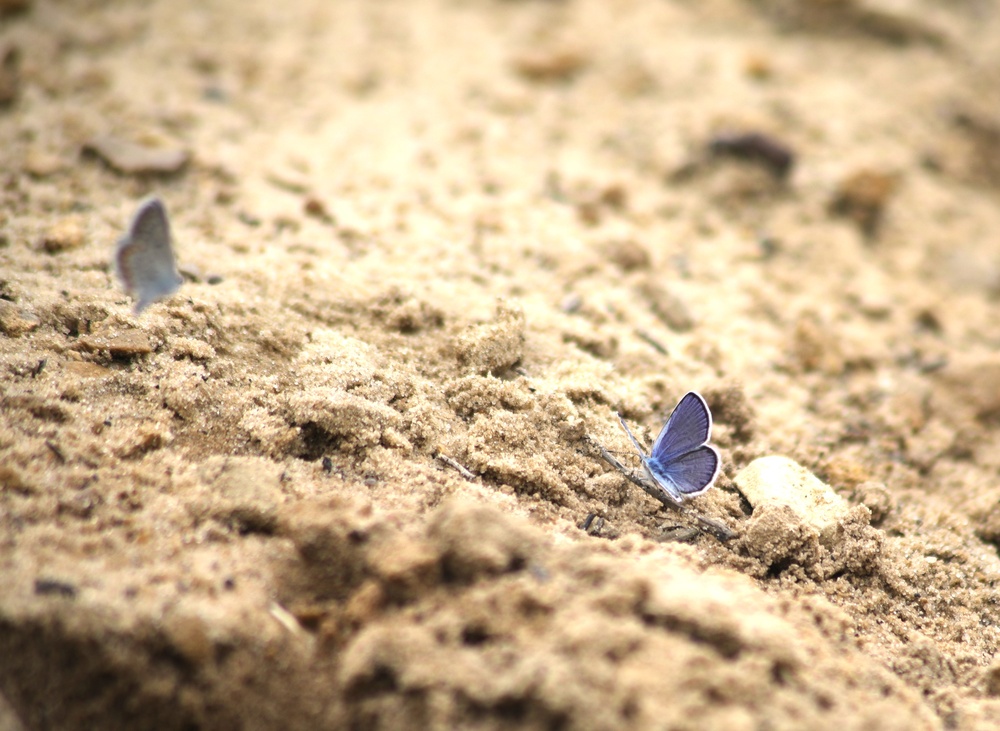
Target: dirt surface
342, 478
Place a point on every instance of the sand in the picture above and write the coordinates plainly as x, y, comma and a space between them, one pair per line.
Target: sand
347, 478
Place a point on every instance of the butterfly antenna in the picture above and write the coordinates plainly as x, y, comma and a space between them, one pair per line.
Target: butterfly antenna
630, 436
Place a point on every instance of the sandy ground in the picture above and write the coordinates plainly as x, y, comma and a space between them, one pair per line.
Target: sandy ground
435, 234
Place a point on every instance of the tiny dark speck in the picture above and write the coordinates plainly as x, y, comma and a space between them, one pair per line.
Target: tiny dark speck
327, 465
214, 94
757, 147
44, 587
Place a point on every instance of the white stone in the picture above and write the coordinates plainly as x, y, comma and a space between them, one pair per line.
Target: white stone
773, 481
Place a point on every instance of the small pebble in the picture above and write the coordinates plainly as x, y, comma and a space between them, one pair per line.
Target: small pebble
128, 344
136, 159
39, 164
63, 235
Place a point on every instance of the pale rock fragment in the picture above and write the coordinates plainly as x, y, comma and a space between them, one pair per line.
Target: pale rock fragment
775, 480
800, 524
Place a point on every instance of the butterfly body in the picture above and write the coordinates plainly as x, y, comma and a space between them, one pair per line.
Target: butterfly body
144, 257
682, 462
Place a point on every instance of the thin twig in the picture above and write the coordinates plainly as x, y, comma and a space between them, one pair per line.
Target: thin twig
456, 466
287, 620
708, 525
652, 342
54, 448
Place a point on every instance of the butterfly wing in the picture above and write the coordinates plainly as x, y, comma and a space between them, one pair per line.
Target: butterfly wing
687, 475
689, 427
150, 223
145, 257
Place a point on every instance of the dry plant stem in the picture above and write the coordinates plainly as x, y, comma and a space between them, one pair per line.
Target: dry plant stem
456, 466
707, 525
652, 342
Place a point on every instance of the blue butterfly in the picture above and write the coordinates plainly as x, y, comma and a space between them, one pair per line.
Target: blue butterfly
682, 462
144, 257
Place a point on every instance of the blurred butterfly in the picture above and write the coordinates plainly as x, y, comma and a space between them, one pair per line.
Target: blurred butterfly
144, 258
682, 461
